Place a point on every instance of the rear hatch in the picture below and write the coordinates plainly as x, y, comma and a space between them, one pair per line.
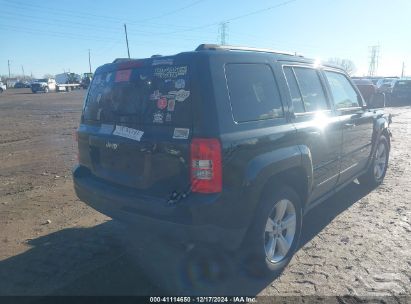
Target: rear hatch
136, 125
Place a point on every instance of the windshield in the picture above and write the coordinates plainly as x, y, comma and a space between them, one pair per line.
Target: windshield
43, 80
146, 95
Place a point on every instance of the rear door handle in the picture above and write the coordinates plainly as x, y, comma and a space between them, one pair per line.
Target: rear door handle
349, 125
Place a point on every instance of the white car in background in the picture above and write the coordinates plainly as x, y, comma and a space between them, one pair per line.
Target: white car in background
43, 85
2, 87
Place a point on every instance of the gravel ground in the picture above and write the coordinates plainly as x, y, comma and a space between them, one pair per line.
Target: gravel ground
357, 243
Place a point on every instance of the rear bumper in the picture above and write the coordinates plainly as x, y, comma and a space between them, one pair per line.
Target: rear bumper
187, 221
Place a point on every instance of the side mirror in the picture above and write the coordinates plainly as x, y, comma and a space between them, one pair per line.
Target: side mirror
376, 101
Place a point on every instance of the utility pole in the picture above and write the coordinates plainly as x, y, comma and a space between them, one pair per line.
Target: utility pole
125, 31
223, 32
374, 54
8, 63
89, 61
403, 68
22, 69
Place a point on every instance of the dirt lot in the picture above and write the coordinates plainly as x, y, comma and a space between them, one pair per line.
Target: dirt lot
357, 243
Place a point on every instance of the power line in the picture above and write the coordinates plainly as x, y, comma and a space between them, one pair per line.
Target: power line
236, 17
82, 15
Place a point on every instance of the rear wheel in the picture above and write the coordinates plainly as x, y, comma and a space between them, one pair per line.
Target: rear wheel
379, 164
275, 233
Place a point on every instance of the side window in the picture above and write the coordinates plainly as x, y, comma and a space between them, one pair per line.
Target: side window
253, 92
311, 89
343, 93
294, 90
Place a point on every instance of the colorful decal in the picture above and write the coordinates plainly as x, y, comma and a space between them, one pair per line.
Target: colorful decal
180, 84
180, 95
162, 103
170, 72
123, 75
143, 77
168, 117
171, 105
128, 133
181, 133
158, 118
156, 95
168, 61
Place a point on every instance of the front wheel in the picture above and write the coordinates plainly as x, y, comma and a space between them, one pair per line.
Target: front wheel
379, 164
46, 90
274, 235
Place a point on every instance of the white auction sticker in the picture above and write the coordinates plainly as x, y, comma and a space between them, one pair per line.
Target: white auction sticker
181, 133
128, 133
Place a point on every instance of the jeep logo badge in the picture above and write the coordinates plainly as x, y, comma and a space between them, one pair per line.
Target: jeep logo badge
112, 146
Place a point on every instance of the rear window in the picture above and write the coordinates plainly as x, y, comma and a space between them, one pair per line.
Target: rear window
154, 95
311, 89
253, 92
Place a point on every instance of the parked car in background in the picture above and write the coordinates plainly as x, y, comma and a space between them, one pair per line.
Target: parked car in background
385, 85
2, 87
43, 85
21, 85
366, 87
225, 145
401, 91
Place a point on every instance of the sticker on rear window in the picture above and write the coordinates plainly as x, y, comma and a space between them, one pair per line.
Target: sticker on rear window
170, 72
128, 133
123, 75
180, 84
181, 133
158, 117
171, 105
156, 95
180, 95
162, 103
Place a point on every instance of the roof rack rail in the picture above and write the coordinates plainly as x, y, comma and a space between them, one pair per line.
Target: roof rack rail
218, 47
117, 60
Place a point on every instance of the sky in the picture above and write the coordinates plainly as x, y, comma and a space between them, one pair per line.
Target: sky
51, 37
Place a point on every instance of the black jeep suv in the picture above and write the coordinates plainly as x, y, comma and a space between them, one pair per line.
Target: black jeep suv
225, 145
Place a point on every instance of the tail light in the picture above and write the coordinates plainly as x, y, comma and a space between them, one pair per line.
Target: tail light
206, 171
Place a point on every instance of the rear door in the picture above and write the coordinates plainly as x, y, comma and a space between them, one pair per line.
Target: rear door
137, 121
356, 121
317, 126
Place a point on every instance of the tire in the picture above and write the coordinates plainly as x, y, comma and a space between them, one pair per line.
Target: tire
259, 260
379, 164
1, 90
46, 90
